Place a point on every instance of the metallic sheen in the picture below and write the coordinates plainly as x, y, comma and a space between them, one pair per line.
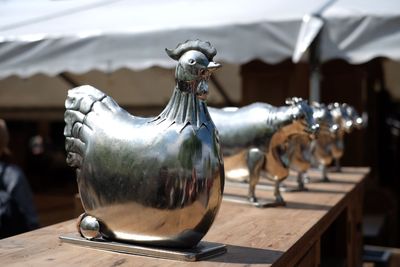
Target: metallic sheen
316, 152
156, 181
89, 227
347, 118
323, 146
203, 250
255, 137
299, 157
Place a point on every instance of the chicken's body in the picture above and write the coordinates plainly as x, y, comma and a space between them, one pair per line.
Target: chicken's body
155, 180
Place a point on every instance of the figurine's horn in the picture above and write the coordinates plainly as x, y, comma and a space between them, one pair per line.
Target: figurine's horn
317, 104
289, 101
293, 100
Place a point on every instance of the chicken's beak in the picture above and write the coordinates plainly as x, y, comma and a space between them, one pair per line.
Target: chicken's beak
212, 66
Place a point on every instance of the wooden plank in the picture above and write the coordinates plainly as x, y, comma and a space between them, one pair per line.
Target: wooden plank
311, 258
270, 237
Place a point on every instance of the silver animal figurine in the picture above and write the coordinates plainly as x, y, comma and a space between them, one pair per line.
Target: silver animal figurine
155, 181
347, 119
298, 154
321, 148
305, 153
358, 121
254, 137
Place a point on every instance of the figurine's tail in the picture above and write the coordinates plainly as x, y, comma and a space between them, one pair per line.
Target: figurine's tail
83, 106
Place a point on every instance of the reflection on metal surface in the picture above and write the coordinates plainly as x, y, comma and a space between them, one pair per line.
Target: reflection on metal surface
156, 181
322, 147
304, 152
335, 120
203, 250
347, 118
299, 157
88, 227
255, 137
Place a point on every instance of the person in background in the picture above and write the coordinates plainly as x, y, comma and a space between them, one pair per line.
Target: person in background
17, 211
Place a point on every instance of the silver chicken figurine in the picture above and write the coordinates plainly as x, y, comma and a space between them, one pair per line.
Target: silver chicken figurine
254, 137
156, 181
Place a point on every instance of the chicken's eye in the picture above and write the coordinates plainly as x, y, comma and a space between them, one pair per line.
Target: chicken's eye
192, 61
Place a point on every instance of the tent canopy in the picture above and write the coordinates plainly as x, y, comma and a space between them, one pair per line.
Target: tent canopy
51, 37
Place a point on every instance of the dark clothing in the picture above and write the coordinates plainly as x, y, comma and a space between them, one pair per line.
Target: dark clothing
17, 211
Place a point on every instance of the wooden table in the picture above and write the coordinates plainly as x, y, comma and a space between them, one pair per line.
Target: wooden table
322, 225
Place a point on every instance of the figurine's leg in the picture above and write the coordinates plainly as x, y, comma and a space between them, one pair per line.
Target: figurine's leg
324, 173
279, 201
255, 160
338, 168
300, 181
306, 178
88, 226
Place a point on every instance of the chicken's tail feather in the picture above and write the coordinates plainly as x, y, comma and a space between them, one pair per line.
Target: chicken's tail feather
79, 115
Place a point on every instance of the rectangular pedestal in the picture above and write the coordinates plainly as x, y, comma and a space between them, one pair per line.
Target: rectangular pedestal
202, 251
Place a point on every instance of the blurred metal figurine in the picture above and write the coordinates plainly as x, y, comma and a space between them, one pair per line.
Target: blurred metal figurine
347, 118
299, 157
304, 152
321, 148
254, 137
156, 181
358, 121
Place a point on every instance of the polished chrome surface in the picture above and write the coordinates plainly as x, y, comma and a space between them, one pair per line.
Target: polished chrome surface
156, 181
89, 227
255, 137
358, 121
299, 157
346, 122
348, 119
322, 147
335, 120
203, 250
306, 152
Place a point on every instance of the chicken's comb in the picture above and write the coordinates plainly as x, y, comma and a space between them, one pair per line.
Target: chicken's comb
204, 47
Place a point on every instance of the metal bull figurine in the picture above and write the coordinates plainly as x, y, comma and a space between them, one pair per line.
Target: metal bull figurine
347, 118
358, 121
299, 157
321, 148
154, 181
255, 137
304, 152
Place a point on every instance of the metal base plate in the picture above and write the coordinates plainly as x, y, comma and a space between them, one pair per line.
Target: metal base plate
202, 251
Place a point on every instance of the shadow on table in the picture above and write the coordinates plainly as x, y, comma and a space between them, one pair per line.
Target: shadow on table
247, 255
348, 170
326, 191
306, 206
341, 181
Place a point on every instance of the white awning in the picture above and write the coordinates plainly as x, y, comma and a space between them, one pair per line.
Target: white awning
50, 37
354, 30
